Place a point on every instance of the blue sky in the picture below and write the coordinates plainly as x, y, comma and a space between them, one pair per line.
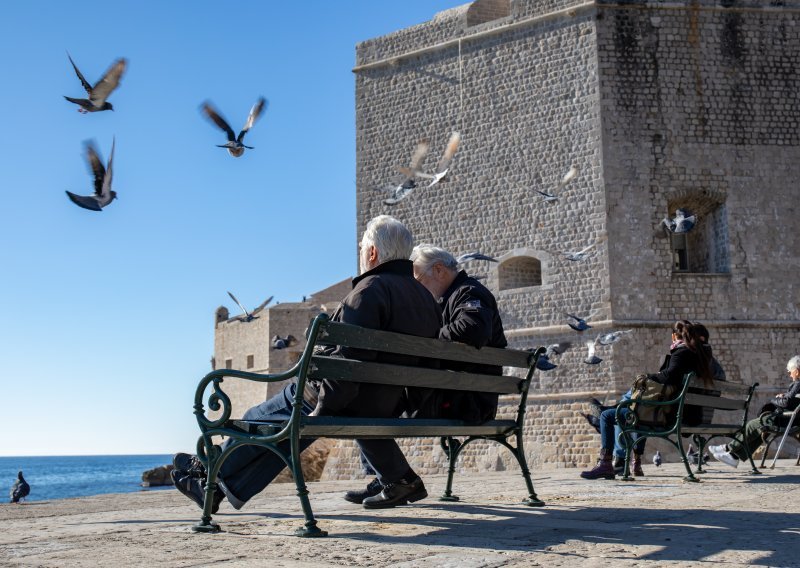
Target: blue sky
108, 317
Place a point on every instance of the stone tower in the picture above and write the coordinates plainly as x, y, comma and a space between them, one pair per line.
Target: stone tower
659, 105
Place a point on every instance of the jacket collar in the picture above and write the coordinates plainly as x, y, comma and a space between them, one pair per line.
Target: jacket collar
458, 281
400, 267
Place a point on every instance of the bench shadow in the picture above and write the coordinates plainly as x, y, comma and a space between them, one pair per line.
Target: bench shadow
670, 534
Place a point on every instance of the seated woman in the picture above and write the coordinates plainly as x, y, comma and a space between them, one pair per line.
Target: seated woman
688, 353
737, 450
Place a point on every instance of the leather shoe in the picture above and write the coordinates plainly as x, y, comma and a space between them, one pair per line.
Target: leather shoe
394, 494
195, 490
188, 464
373, 488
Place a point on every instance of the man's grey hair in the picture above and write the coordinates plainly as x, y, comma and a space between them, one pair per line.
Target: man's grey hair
392, 239
424, 256
794, 363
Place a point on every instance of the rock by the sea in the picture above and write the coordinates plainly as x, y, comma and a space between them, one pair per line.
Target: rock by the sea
157, 476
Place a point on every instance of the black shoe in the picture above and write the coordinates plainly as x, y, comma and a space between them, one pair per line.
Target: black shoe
373, 488
619, 465
188, 464
394, 494
195, 490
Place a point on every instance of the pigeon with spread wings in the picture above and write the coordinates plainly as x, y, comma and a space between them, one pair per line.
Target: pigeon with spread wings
403, 185
101, 90
103, 194
247, 316
234, 145
444, 163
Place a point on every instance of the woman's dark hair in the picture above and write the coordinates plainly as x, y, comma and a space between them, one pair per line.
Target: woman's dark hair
694, 336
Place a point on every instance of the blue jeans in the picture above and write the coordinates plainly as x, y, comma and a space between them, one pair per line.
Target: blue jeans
619, 449
610, 430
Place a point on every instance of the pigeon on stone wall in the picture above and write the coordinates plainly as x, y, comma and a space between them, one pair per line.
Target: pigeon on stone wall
444, 163
470, 256
234, 144
103, 194
248, 316
20, 489
101, 90
403, 185
683, 222
591, 358
612, 337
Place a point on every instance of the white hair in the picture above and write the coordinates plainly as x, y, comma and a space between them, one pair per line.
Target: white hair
794, 363
425, 256
390, 237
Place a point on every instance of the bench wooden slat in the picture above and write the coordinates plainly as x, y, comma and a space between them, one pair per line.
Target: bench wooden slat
348, 428
334, 333
715, 402
387, 374
711, 429
724, 386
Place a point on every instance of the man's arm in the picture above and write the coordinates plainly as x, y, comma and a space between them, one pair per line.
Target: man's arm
470, 322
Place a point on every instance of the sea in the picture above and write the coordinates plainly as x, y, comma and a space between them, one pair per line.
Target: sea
61, 477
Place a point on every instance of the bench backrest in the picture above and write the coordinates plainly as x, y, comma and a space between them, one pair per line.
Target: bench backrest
732, 396
437, 376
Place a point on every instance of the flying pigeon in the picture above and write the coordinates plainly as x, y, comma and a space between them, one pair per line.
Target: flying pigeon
465, 258
657, 459
543, 363
580, 323
591, 358
102, 89
694, 456
103, 194
612, 337
593, 421
279, 342
568, 177
584, 252
444, 163
249, 316
20, 489
403, 185
683, 222
234, 144
547, 197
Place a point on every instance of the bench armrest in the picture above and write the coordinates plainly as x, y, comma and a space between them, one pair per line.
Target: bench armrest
219, 400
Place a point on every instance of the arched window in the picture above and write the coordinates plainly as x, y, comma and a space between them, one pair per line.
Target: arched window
519, 272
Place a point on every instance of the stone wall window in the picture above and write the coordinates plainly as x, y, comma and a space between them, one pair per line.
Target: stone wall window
250, 361
229, 363
705, 247
519, 272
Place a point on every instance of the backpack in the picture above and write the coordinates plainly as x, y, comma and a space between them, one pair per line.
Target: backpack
646, 388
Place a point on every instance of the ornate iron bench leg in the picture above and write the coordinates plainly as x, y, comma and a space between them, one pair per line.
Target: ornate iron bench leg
690, 477
310, 528
767, 444
519, 453
205, 524
701, 447
452, 447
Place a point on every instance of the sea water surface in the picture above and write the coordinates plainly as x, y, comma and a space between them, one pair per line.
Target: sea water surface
60, 477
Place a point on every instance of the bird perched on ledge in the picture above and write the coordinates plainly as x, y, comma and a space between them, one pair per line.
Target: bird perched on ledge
234, 145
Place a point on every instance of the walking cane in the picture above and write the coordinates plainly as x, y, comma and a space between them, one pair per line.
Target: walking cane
786, 433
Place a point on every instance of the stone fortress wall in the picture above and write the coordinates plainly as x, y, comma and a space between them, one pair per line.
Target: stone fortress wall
689, 103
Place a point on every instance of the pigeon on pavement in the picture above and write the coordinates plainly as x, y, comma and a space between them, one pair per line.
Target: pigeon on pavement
657, 459
103, 194
20, 489
234, 144
403, 185
101, 90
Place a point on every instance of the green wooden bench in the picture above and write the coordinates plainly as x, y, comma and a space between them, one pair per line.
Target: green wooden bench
311, 366
730, 417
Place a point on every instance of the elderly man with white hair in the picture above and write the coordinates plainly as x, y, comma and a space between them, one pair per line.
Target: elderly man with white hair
384, 296
737, 450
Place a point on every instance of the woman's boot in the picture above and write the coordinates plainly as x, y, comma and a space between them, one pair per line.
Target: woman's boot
604, 468
637, 465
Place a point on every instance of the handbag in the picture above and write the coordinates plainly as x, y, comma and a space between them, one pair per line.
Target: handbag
647, 389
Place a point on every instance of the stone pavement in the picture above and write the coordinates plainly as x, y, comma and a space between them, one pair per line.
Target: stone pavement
732, 518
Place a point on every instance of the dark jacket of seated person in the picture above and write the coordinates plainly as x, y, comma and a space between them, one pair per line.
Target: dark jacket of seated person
469, 315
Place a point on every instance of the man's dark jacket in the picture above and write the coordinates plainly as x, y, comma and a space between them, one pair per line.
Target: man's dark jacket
387, 298
469, 315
